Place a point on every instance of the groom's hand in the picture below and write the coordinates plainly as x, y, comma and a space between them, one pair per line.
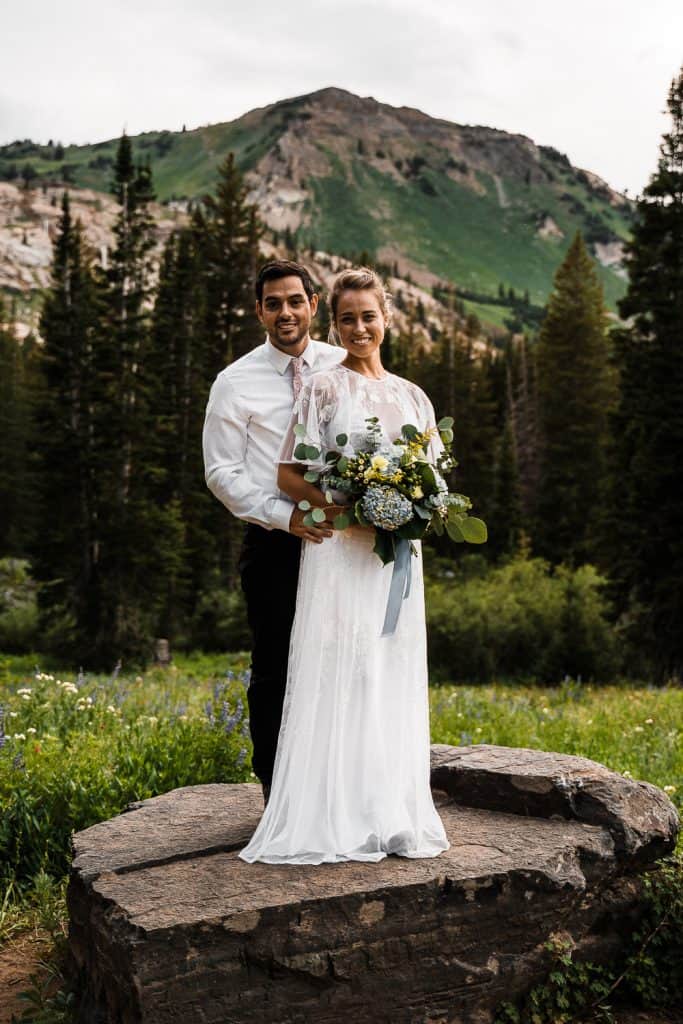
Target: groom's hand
316, 533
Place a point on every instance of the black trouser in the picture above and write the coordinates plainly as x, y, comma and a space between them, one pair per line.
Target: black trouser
269, 570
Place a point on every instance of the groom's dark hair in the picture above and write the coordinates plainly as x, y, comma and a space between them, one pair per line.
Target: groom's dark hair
275, 269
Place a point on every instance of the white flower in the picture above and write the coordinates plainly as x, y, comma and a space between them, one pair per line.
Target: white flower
111, 708
13, 714
19, 736
627, 774
26, 696
24, 689
379, 462
669, 789
649, 721
638, 728
31, 729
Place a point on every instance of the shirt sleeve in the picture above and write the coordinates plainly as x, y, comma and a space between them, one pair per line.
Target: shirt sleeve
226, 470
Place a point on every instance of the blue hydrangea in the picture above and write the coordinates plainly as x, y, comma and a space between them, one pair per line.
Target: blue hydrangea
385, 507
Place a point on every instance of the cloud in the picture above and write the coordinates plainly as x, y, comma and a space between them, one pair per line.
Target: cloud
590, 81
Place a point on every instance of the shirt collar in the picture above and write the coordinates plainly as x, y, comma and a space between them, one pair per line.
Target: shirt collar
280, 360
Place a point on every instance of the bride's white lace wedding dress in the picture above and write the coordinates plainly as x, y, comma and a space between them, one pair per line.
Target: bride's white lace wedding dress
351, 776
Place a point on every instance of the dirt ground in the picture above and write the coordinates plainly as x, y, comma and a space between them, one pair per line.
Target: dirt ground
19, 958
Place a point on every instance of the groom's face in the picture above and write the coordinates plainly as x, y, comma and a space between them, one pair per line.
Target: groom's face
286, 312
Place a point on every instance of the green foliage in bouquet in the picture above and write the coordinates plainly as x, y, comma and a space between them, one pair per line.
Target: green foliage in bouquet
395, 488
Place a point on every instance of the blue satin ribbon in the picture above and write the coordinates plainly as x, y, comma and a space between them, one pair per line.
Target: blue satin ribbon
399, 587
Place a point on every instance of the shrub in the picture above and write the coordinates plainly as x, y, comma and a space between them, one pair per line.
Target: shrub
520, 620
18, 609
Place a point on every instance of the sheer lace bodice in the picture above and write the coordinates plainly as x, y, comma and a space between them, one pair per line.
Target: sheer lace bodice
339, 400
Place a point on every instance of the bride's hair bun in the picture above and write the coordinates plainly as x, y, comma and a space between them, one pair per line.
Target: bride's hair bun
357, 279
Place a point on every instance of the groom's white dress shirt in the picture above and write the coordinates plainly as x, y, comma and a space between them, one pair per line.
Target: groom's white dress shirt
249, 409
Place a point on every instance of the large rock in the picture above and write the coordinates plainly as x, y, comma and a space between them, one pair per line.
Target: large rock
167, 924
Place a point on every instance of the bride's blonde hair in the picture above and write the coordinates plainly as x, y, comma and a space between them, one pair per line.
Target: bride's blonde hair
356, 279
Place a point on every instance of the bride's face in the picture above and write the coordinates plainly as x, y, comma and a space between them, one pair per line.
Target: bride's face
360, 322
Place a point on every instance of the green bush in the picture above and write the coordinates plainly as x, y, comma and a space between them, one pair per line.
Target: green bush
220, 621
18, 609
520, 620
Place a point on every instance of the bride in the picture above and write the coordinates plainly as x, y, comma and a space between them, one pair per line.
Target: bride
351, 776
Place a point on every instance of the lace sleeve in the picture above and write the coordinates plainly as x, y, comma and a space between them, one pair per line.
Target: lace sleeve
427, 421
310, 415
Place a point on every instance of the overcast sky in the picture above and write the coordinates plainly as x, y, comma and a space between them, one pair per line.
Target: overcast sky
589, 77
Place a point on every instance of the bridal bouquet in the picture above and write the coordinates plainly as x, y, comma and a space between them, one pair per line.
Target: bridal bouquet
393, 487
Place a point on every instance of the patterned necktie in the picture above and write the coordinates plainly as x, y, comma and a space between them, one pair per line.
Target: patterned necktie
297, 379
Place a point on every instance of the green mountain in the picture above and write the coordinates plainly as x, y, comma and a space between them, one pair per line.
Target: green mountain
480, 207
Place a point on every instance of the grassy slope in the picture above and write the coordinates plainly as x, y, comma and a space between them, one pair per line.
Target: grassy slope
458, 234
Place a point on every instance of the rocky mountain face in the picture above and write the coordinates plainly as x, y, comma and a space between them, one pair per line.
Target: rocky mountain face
485, 209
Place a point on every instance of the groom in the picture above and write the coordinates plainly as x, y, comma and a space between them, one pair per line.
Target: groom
249, 409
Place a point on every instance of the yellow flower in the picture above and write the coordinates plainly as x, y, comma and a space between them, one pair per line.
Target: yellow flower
417, 492
378, 462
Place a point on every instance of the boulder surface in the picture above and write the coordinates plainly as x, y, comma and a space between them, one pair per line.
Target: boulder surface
167, 924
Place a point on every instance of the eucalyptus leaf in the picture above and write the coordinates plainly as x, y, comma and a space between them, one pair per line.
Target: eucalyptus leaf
437, 526
342, 439
308, 520
331, 456
318, 515
311, 477
423, 513
445, 423
343, 464
447, 436
454, 532
304, 505
474, 530
300, 452
341, 521
300, 430
312, 452
329, 497
409, 431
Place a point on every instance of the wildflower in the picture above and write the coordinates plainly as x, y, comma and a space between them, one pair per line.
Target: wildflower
111, 709
31, 729
627, 774
26, 696
638, 728
669, 789
13, 714
19, 736
649, 721
24, 689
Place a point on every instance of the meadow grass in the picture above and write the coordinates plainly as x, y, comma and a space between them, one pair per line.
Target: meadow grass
78, 748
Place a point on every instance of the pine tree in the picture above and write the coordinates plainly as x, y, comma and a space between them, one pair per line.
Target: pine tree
139, 538
18, 378
504, 519
231, 237
522, 411
643, 540
575, 391
65, 546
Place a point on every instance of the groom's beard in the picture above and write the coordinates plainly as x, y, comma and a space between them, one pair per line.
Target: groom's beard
293, 337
